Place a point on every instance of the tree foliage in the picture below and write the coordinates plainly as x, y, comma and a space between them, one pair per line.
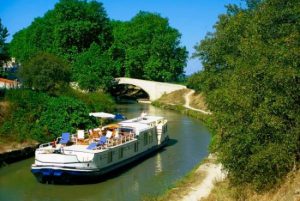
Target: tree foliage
45, 72
94, 69
3, 34
3, 46
94, 101
67, 30
147, 47
251, 81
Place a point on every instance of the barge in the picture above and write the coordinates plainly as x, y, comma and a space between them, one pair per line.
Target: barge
89, 155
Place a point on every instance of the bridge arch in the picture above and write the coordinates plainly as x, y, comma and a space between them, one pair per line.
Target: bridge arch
154, 89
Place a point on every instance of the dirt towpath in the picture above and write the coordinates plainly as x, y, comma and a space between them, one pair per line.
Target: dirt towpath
213, 173
187, 98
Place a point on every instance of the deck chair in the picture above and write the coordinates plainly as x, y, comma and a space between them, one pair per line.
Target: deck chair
108, 135
102, 140
92, 146
80, 136
65, 138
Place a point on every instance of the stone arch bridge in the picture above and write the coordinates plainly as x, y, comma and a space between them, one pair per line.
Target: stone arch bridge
154, 89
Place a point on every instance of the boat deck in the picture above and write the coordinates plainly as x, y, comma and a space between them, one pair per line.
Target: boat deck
83, 148
101, 139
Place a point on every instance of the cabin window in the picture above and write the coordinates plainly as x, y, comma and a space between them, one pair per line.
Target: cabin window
121, 152
136, 147
126, 130
109, 157
145, 139
150, 137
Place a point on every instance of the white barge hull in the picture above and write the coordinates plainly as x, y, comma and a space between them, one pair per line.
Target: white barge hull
77, 172
119, 145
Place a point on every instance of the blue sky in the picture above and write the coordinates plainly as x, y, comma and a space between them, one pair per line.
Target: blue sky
193, 18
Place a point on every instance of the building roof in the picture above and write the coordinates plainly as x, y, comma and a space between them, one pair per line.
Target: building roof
6, 81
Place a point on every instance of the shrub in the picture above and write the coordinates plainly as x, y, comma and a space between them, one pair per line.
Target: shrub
41, 117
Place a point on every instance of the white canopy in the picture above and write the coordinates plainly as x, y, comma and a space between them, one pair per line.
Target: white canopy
102, 115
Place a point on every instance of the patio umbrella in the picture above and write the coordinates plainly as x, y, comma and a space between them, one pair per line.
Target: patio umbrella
102, 115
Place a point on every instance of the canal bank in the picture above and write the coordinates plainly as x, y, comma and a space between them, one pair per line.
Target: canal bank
13, 152
186, 102
199, 182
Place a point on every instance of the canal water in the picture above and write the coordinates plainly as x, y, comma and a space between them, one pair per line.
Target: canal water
151, 177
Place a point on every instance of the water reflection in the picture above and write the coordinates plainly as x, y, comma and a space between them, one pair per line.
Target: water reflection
135, 186
158, 164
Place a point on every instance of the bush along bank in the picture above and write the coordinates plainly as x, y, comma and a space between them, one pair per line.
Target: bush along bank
40, 117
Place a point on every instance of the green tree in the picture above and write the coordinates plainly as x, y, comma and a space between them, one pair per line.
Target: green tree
147, 47
3, 34
79, 24
94, 69
67, 30
3, 46
251, 81
45, 72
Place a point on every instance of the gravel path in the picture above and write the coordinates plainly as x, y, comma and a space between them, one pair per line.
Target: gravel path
188, 100
213, 173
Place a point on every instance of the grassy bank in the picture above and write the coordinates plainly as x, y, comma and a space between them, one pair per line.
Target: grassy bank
8, 144
175, 101
182, 187
287, 190
180, 108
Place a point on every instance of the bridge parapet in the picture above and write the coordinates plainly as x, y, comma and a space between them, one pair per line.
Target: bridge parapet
154, 89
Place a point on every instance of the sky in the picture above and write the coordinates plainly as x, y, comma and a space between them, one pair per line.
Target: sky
192, 18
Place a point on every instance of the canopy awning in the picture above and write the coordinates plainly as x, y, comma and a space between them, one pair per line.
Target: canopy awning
102, 115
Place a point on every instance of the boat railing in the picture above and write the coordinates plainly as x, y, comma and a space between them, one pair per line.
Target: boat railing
113, 141
123, 138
